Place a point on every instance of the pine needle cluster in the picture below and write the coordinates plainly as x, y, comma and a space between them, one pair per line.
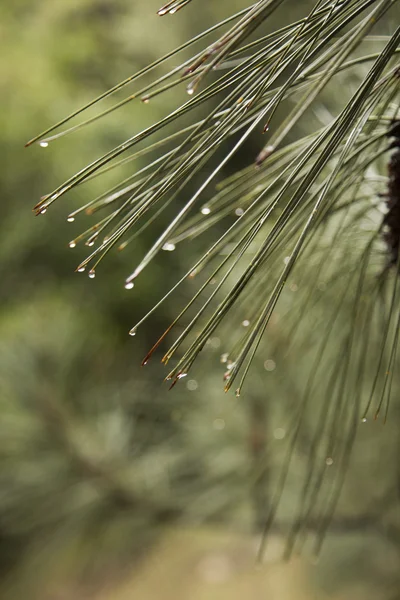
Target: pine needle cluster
306, 215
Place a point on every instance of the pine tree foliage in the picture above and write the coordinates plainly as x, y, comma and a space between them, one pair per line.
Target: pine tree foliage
306, 215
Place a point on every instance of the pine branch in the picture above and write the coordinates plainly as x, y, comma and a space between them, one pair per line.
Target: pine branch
299, 209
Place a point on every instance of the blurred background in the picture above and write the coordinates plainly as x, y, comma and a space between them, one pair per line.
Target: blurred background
111, 487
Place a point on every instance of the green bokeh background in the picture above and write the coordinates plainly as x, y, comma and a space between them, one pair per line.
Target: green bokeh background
107, 481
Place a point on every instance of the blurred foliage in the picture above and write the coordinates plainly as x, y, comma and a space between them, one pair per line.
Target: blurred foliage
95, 458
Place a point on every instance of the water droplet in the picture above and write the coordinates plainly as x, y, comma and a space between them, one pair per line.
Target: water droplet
270, 365
219, 424
173, 11
181, 375
192, 385
168, 247
239, 212
224, 357
71, 219
237, 393
133, 331
92, 274
279, 433
162, 11
43, 211
89, 243
81, 269
364, 420
145, 99
329, 461
246, 323
215, 342
190, 90
72, 244
205, 210
129, 285
43, 144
